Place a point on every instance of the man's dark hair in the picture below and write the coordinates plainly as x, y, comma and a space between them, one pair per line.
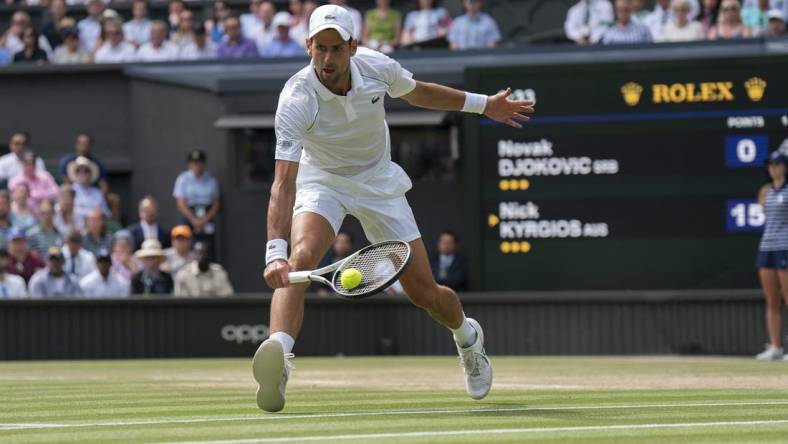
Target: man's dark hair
88, 135
451, 233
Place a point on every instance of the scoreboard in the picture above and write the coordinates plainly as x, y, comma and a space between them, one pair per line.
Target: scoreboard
629, 175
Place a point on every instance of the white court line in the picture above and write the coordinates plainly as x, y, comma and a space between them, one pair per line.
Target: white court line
490, 432
282, 417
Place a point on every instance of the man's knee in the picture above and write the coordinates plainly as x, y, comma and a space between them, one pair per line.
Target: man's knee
304, 257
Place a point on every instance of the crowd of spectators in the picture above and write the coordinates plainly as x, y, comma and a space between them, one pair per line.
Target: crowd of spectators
104, 36
63, 238
628, 21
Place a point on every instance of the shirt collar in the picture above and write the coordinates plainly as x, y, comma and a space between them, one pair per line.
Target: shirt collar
356, 81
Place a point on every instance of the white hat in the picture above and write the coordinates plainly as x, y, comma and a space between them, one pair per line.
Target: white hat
150, 248
282, 18
81, 161
775, 14
331, 17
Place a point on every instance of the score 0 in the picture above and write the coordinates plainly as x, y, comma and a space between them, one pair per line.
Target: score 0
746, 151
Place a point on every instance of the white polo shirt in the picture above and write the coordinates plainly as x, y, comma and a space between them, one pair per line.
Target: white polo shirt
341, 135
165, 53
124, 52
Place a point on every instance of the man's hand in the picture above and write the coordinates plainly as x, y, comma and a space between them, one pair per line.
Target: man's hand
500, 109
276, 274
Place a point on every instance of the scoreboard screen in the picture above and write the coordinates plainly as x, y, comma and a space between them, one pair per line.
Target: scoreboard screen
629, 176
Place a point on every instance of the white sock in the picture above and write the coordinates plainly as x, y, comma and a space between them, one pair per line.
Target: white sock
285, 339
465, 334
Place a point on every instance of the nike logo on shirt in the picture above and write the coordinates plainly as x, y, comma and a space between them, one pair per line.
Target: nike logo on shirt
375, 100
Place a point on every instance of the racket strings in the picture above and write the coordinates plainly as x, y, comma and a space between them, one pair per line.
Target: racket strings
378, 265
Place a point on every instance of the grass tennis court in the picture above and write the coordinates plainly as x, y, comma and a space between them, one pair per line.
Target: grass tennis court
402, 399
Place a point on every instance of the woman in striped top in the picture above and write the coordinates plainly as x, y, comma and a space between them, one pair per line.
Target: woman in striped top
773, 252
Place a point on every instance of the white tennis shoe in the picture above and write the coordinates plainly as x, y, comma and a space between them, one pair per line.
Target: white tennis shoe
771, 353
271, 369
476, 365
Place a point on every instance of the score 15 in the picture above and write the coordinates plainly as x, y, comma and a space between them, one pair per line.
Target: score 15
744, 215
746, 151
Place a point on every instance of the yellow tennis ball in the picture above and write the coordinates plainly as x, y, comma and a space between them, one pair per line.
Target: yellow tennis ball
351, 278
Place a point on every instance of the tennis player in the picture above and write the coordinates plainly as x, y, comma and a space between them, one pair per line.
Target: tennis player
332, 159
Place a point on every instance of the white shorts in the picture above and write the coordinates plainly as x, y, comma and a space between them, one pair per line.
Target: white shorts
384, 215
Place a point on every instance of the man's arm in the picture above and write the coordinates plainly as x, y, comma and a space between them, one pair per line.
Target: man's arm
280, 215
498, 107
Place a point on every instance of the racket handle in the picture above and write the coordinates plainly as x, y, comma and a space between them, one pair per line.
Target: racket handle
299, 277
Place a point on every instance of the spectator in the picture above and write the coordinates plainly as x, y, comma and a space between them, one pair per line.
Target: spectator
202, 277
31, 53
65, 221
680, 28
180, 253
41, 184
625, 30
174, 10
729, 25
756, 17
83, 147
103, 282
639, 11
282, 45
250, 23
358, 24
264, 30
201, 48
474, 29
382, 27
11, 164
96, 237
71, 52
588, 20
11, 285
184, 34
196, 193
53, 281
300, 29
44, 235
79, 262
5, 218
776, 26
235, 45
51, 29
21, 261
22, 216
659, 17
123, 261
151, 280
428, 22
214, 25
137, 30
90, 26
115, 49
448, 266
708, 15
296, 9
148, 227
13, 39
158, 49
83, 172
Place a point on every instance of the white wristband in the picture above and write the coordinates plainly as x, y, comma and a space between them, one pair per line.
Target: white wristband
474, 103
275, 249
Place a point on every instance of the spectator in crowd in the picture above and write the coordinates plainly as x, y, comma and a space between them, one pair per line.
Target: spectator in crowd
41, 184
449, 267
151, 280
115, 49
97, 237
680, 28
148, 227
776, 27
79, 262
13, 39
51, 29
639, 11
71, 51
83, 173
21, 261
53, 281
659, 17
44, 235
202, 277
137, 30
428, 22
180, 253
103, 282
5, 217
588, 20
282, 45
250, 21
625, 30
31, 53
296, 8
123, 261
11, 285
474, 29
201, 48
729, 24
756, 17
708, 15
90, 26
184, 34
65, 221
355, 15
174, 10
382, 27
235, 45
214, 25
22, 216
300, 29
196, 194
264, 31
83, 147
158, 49
11, 164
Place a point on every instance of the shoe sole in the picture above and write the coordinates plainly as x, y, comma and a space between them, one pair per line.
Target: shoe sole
267, 367
480, 332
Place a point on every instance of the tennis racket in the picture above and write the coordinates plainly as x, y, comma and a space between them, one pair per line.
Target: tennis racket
380, 265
